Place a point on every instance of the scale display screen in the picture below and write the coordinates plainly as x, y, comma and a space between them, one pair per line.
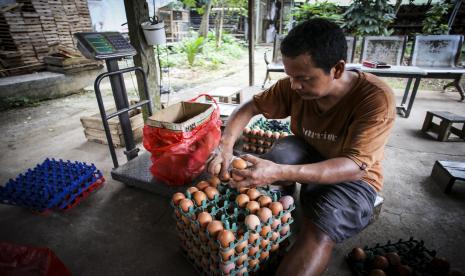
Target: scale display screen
100, 44
104, 45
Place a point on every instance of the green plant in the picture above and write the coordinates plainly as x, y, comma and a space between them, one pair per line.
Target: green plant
434, 22
192, 47
324, 10
369, 17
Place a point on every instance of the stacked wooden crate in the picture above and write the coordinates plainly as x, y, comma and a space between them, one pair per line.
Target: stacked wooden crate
29, 29
95, 132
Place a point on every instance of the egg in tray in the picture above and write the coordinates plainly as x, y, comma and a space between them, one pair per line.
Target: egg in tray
224, 231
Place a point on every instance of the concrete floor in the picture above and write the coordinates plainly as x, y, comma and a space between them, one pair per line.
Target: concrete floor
126, 231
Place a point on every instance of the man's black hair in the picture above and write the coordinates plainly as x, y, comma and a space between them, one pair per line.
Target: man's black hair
323, 40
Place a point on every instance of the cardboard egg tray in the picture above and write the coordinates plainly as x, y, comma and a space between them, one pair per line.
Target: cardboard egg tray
412, 253
263, 134
206, 253
52, 184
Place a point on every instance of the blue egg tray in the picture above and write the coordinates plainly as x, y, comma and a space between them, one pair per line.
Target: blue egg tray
52, 184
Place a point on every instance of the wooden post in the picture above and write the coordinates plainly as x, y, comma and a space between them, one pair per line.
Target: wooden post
251, 41
137, 12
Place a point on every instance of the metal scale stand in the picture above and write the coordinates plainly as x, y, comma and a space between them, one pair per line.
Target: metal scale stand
111, 47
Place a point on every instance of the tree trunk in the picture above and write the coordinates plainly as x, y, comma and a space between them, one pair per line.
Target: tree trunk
219, 27
204, 25
136, 13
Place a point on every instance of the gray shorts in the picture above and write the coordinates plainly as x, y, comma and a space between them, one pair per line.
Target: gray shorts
339, 210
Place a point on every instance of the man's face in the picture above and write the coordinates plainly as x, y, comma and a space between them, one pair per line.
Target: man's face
309, 81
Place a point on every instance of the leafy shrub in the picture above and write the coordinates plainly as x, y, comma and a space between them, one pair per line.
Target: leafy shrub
324, 10
369, 17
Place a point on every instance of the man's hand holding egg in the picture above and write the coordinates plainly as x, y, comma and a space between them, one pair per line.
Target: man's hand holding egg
219, 163
250, 171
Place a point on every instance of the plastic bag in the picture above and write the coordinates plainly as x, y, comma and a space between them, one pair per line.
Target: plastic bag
179, 157
26, 260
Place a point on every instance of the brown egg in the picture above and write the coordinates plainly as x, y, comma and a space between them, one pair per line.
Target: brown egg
253, 148
285, 218
261, 133
198, 197
253, 263
264, 255
245, 147
255, 131
275, 224
405, 270
186, 204
225, 237
239, 163
264, 243
265, 230
393, 258
274, 247
253, 237
274, 236
202, 185
192, 190
264, 201
287, 202
253, 250
242, 258
211, 192
252, 221
243, 190
283, 134
177, 198
241, 246
253, 194
217, 169
214, 228
204, 219
380, 262
358, 254
284, 230
268, 134
260, 150
276, 135
264, 214
186, 220
242, 200
214, 181
376, 272
252, 206
246, 130
225, 255
276, 207
227, 268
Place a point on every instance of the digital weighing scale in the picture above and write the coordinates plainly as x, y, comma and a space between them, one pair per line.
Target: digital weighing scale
111, 47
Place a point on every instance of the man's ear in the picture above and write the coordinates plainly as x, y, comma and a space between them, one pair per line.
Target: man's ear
339, 69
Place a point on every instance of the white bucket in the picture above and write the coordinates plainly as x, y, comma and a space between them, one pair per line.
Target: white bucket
154, 33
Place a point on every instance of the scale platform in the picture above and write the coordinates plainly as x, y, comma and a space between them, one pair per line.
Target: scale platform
136, 173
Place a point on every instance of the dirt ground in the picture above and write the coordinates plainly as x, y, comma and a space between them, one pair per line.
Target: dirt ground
125, 231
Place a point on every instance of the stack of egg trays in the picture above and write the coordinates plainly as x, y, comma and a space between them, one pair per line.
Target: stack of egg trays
204, 252
51, 184
412, 253
259, 142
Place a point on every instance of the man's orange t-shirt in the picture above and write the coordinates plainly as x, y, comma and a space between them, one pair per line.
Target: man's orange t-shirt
357, 127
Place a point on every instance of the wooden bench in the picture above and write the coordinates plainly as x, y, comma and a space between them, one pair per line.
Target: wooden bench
445, 128
445, 173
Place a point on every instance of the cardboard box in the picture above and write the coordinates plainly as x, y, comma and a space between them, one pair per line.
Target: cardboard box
183, 116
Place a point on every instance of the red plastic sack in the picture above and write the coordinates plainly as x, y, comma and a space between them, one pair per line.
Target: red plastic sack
26, 260
179, 157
